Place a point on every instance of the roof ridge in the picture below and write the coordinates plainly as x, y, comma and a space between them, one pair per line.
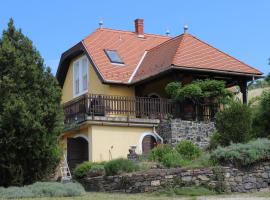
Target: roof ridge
190, 35
183, 35
164, 43
131, 32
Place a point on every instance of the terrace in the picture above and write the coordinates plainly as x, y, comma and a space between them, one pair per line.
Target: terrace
133, 109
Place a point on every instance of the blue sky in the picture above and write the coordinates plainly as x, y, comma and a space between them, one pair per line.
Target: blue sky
238, 27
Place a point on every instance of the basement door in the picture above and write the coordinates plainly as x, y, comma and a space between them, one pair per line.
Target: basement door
77, 151
148, 143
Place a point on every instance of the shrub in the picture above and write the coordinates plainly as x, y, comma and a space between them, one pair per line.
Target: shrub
119, 166
82, 169
158, 152
172, 159
199, 90
261, 120
43, 189
96, 170
172, 88
215, 140
188, 150
243, 154
202, 161
234, 123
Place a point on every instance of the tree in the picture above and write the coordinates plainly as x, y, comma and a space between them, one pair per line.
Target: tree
233, 124
199, 91
267, 78
261, 120
31, 115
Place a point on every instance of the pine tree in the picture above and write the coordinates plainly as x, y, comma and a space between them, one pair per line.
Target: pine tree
31, 116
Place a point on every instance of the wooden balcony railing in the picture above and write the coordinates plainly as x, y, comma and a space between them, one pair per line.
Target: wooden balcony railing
137, 107
105, 105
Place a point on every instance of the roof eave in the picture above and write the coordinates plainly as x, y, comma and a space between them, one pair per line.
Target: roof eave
172, 67
218, 71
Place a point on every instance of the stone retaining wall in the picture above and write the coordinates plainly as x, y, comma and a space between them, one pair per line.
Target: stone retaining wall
175, 130
231, 179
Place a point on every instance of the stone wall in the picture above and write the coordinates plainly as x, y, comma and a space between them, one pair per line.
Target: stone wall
175, 130
231, 179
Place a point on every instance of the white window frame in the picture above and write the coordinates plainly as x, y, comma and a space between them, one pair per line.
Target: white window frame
81, 91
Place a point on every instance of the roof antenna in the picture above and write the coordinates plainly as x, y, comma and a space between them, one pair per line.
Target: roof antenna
167, 31
185, 28
100, 23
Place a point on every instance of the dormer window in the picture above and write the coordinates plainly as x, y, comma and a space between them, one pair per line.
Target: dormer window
113, 56
80, 76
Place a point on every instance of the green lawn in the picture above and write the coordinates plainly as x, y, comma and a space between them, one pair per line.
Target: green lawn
111, 196
117, 196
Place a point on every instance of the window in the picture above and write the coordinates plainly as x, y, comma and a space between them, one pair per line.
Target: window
80, 76
113, 56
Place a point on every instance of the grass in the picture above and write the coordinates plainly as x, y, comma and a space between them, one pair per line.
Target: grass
155, 196
111, 196
186, 191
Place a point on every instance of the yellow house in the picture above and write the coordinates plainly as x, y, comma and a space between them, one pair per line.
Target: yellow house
113, 87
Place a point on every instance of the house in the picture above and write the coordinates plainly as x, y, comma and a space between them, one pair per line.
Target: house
113, 87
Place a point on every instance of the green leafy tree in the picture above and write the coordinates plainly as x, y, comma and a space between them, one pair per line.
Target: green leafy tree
31, 115
261, 121
200, 90
233, 124
267, 78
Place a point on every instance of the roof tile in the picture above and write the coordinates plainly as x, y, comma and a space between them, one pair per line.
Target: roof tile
163, 52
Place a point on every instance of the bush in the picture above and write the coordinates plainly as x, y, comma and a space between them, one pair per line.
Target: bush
43, 189
243, 154
172, 88
234, 123
158, 152
261, 121
96, 170
172, 159
188, 150
82, 169
119, 166
215, 141
199, 90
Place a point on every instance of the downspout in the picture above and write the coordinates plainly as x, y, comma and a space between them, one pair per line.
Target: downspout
158, 136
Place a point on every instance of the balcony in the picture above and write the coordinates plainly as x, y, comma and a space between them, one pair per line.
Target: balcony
123, 108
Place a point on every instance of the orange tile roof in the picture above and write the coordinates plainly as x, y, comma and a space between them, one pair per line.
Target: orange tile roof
150, 55
187, 51
129, 46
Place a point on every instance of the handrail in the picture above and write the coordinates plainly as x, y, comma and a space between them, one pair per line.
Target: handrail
93, 105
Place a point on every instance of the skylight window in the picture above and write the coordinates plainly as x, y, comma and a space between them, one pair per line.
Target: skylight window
113, 56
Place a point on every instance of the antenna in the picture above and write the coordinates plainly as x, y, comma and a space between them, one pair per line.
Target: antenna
100, 23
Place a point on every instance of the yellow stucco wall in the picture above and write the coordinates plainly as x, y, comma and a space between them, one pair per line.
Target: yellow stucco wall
110, 142
95, 85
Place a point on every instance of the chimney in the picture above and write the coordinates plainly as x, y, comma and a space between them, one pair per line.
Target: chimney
139, 27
